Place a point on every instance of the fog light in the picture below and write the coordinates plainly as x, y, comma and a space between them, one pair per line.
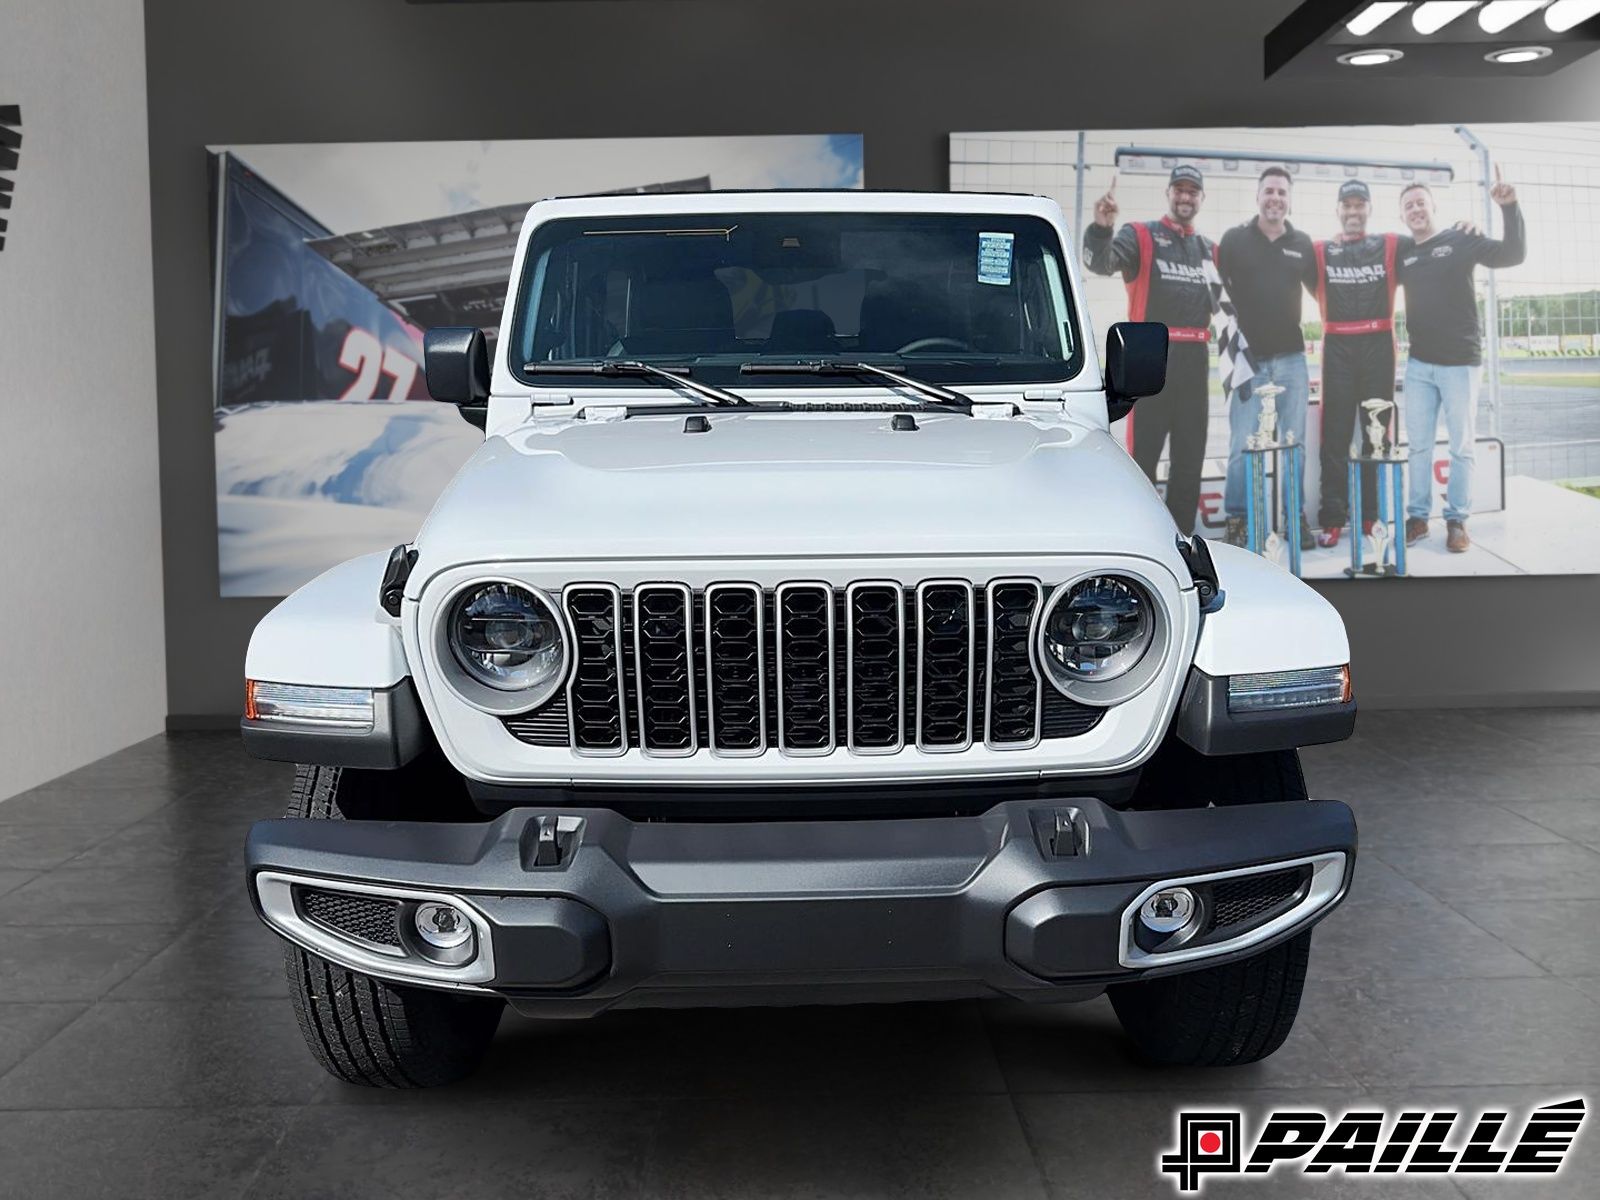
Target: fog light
442, 926
1169, 910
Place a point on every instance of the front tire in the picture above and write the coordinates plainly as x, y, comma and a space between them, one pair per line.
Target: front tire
1222, 1016
365, 1030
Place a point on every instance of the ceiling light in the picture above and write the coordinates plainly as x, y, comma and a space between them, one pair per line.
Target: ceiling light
1319, 39
1518, 54
1370, 58
1369, 18
1436, 14
1566, 14
1502, 14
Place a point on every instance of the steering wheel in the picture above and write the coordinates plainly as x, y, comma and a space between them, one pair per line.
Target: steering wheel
930, 343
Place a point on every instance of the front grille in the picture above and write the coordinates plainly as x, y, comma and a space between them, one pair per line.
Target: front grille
945, 666
1250, 897
594, 696
663, 646
805, 661
1015, 701
735, 640
365, 918
876, 651
806, 667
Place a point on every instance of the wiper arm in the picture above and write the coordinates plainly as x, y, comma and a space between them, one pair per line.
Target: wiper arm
627, 366
837, 366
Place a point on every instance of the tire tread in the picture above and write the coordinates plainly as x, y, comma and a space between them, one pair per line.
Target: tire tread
1235, 1013
366, 1031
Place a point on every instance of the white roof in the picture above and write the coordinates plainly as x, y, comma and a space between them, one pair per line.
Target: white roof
999, 203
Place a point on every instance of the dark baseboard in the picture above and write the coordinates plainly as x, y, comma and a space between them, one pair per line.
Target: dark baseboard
202, 722
1480, 700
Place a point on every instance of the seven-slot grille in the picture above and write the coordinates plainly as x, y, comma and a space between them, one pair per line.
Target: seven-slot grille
806, 668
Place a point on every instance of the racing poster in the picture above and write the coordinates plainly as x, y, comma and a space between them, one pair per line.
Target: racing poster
330, 261
1398, 371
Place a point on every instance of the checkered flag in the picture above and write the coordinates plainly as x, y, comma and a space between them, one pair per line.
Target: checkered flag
1234, 363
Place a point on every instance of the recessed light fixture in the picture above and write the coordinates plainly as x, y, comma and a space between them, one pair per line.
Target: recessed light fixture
1517, 54
1371, 58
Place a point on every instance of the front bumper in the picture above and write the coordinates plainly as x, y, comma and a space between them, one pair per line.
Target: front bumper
581, 910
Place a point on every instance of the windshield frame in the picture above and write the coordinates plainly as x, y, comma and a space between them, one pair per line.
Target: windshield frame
938, 367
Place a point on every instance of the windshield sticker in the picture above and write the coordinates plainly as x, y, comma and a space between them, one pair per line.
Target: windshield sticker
994, 257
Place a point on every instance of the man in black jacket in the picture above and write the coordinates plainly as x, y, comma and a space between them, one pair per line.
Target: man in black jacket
1265, 264
1163, 263
1447, 348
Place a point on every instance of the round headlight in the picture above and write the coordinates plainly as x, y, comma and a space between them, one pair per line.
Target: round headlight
1099, 630
507, 637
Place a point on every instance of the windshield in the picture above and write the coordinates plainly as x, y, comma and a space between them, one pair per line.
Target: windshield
954, 298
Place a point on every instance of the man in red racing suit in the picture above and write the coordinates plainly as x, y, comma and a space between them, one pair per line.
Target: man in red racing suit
1163, 264
1354, 282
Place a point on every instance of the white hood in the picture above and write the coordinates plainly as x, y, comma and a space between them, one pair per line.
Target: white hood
795, 484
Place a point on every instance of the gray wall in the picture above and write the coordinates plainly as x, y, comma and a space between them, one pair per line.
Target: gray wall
904, 73
82, 666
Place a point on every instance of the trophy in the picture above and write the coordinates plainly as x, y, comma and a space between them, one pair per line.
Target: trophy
1262, 530
1377, 410
1383, 552
1267, 422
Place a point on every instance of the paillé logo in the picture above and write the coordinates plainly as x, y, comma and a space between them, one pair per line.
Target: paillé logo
1367, 1142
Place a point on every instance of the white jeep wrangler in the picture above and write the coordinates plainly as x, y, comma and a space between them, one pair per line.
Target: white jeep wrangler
800, 633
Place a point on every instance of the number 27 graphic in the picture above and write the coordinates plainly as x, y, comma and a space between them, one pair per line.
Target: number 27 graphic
369, 359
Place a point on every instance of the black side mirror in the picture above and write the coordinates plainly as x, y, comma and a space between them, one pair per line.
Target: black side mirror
456, 360
1136, 364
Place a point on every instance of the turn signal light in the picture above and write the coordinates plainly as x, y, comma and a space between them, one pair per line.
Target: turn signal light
297, 704
1271, 691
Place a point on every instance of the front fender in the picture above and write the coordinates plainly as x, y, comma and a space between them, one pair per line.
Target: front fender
332, 633
1268, 621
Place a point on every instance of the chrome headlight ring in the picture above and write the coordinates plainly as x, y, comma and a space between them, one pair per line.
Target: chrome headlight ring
1134, 617
456, 659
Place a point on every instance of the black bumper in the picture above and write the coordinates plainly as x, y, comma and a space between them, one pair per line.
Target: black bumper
1027, 900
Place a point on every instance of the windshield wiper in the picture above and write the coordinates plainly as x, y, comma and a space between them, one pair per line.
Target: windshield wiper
930, 392
626, 366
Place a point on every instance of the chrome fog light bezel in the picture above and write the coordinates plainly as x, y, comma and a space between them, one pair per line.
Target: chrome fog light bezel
1329, 875
275, 897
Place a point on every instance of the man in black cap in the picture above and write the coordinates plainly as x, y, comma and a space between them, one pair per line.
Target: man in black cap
1163, 262
1265, 264
1354, 278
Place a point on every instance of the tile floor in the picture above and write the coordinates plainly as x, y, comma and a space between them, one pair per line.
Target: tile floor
147, 1047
